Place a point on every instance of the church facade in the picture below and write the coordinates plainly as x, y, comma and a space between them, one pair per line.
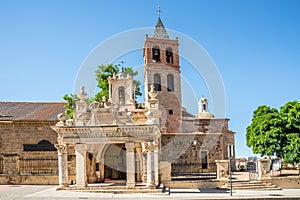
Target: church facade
112, 140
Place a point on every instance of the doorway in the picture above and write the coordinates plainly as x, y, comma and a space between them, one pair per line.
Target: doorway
115, 162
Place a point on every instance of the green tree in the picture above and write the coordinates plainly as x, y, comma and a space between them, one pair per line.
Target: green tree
105, 71
276, 132
70, 105
102, 73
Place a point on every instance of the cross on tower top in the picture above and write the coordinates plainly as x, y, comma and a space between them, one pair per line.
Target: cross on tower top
158, 10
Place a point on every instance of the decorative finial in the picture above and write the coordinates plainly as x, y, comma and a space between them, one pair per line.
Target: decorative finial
203, 99
158, 11
62, 119
82, 95
153, 94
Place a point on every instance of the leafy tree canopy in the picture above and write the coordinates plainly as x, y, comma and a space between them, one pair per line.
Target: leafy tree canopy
102, 73
70, 105
275, 132
105, 71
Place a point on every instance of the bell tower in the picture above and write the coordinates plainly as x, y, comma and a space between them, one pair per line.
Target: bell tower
161, 69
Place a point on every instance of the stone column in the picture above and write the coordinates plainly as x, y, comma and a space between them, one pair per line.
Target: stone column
150, 182
101, 166
139, 163
144, 176
81, 178
155, 148
222, 169
109, 91
92, 177
149, 148
263, 168
165, 171
62, 151
130, 92
130, 167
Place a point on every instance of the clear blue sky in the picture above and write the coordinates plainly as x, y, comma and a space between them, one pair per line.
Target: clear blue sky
254, 43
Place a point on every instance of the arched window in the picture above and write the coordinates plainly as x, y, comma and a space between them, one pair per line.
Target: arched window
43, 145
170, 83
155, 54
121, 95
204, 107
203, 155
169, 55
157, 82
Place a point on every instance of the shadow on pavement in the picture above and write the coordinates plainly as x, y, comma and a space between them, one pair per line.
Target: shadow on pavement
199, 191
214, 191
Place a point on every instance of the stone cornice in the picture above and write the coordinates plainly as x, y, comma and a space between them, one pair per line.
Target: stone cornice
72, 134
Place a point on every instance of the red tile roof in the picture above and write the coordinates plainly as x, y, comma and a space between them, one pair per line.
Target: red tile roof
29, 111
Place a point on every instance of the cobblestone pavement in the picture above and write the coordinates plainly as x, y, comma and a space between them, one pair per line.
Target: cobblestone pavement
33, 192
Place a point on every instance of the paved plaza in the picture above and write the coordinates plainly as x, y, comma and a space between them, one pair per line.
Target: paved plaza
8, 192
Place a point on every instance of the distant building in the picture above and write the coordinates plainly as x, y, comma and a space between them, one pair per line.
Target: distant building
241, 163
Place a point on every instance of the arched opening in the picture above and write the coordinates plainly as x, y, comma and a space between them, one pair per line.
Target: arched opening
155, 54
204, 107
43, 145
169, 55
204, 163
115, 162
121, 95
170, 83
157, 82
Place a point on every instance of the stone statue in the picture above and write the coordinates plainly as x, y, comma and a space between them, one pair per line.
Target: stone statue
128, 116
149, 116
62, 119
82, 95
153, 94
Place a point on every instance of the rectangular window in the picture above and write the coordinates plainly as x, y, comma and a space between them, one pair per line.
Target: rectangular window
121, 95
204, 159
195, 152
170, 112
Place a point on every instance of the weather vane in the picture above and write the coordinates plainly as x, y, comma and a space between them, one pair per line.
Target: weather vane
121, 65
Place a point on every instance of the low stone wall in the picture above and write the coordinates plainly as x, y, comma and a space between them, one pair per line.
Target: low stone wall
31, 179
289, 182
203, 184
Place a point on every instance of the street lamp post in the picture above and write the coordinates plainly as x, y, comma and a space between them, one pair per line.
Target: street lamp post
230, 155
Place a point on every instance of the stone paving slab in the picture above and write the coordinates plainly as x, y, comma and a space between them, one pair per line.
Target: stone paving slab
33, 192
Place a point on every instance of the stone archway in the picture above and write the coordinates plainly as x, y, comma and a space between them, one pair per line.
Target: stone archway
114, 158
92, 147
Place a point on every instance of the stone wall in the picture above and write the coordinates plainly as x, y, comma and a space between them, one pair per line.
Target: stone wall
212, 125
29, 179
203, 184
188, 149
15, 134
289, 182
20, 165
32, 179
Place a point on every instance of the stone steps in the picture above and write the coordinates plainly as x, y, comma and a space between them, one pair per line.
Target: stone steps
250, 185
116, 189
126, 191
